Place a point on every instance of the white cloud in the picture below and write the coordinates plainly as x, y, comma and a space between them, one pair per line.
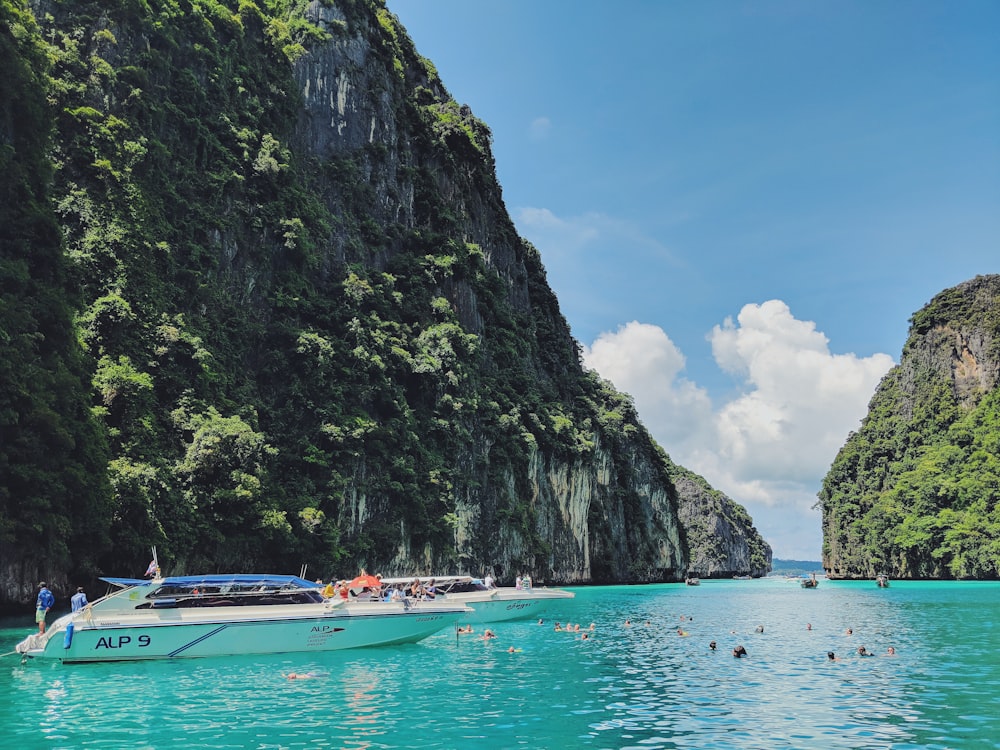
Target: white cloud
801, 400
542, 226
539, 128
566, 237
769, 447
641, 360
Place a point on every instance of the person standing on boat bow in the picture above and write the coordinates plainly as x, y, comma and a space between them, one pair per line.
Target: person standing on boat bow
79, 600
43, 604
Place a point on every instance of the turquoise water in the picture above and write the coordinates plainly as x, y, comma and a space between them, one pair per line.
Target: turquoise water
628, 687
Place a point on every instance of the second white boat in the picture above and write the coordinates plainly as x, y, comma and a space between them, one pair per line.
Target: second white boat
487, 604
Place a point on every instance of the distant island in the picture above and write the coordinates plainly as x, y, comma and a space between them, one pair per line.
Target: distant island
795, 567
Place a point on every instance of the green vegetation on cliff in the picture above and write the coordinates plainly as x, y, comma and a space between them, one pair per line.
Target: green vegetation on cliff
54, 502
287, 316
915, 491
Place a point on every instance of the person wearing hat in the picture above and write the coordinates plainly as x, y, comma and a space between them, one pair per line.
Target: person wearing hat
79, 600
43, 604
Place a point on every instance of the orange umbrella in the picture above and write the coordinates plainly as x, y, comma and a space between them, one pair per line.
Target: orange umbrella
365, 581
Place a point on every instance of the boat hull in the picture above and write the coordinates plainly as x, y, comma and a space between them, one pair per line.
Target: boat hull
189, 634
508, 604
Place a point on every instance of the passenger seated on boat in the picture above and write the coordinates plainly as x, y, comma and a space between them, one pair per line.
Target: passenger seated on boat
328, 591
416, 589
430, 590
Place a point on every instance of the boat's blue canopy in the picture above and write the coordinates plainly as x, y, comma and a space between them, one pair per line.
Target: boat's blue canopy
217, 579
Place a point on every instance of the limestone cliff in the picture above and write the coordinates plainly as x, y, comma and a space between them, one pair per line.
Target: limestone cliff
914, 492
721, 537
315, 335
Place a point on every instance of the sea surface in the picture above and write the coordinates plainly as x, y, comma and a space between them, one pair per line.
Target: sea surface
627, 686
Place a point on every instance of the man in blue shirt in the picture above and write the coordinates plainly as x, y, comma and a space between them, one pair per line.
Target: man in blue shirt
43, 604
79, 600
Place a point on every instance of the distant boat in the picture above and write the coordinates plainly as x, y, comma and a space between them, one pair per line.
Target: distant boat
742, 578
809, 582
882, 580
692, 581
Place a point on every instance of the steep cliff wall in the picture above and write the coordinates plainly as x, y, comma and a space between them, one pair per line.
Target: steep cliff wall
314, 333
914, 492
722, 540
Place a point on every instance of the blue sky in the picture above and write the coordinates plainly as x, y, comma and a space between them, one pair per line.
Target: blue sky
739, 204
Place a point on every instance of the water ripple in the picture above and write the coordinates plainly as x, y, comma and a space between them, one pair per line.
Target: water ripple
642, 686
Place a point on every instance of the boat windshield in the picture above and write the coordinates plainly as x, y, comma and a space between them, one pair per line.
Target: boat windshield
230, 591
463, 586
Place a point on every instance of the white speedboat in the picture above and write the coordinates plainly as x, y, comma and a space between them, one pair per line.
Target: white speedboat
222, 615
487, 604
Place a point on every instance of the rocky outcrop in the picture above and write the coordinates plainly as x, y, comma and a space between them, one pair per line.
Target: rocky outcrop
910, 494
722, 541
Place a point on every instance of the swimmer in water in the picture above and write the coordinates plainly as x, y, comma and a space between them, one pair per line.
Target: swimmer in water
740, 652
300, 675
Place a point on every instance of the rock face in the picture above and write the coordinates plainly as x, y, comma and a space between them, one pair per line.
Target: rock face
316, 334
912, 493
722, 540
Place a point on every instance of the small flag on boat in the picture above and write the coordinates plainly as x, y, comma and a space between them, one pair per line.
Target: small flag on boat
151, 570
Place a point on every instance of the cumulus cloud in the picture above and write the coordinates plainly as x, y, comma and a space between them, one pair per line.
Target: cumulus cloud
769, 446
641, 360
800, 402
